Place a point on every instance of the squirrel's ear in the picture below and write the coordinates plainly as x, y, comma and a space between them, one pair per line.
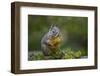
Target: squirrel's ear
51, 27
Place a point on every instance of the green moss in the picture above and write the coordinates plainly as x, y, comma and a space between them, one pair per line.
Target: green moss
71, 54
37, 56
58, 54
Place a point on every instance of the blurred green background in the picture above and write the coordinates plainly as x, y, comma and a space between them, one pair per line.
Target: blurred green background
74, 30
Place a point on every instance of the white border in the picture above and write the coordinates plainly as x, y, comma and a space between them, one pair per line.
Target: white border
25, 64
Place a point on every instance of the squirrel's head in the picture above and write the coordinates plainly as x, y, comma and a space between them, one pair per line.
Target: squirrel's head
54, 31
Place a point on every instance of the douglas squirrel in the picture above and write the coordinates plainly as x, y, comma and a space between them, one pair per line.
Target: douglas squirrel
51, 40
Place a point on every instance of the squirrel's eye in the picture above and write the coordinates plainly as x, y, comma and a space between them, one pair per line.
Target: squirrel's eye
53, 31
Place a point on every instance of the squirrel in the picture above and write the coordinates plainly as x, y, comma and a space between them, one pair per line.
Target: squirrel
51, 40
